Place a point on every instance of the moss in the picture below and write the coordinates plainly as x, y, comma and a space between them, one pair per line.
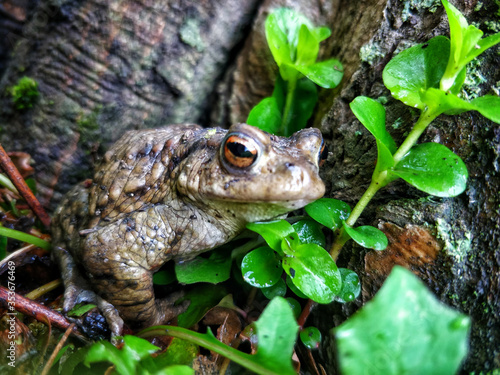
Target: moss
456, 248
25, 93
371, 52
416, 5
90, 131
471, 88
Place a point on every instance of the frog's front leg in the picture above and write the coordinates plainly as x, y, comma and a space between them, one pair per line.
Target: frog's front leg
78, 290
120, 259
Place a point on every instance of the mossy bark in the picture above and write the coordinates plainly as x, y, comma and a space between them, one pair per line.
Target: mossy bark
107, 66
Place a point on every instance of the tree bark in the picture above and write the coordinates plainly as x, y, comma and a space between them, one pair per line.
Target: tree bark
132, 64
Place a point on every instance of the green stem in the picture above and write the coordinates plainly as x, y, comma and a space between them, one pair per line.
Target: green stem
290, 95
379, 180
209, 342
24, 237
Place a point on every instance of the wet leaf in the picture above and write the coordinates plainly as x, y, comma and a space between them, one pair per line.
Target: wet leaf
367, 236
310, 337
404, 329
261, 267
329, 212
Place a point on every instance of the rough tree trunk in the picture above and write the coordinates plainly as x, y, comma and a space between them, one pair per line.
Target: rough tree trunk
124, 64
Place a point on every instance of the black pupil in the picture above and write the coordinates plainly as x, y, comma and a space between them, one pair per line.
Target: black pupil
239, 150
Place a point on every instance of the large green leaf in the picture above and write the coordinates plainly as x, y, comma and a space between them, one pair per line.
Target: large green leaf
434, 169
202, 298
314, 272
261, 267
417, 68
403, 330
309, 231
266, 115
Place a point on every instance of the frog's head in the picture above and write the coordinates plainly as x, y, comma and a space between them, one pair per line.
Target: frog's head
256, 175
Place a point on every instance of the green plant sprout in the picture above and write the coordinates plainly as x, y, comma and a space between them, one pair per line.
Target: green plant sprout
25, 93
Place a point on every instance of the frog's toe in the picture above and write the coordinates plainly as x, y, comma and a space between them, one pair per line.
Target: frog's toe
168, 310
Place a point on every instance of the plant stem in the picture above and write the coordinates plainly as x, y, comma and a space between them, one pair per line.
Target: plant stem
379, 180
290, 94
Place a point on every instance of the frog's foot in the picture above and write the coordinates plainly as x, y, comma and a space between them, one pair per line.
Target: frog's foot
77, 290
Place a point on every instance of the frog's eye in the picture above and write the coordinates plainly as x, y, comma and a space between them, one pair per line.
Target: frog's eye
323, 154
239, 151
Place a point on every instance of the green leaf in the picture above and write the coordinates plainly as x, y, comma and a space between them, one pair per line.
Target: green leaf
310, 337
202, 298
293, 288
81, 309
309, 231
314, 272
434, 169
488, 106
266, 115
25, 237
273, 232
367, 236
403, 330
164, 277
276, 334
278, 30
215, 269
180, 352
351, 287
329, 212
277, 290
417, 68
307, 47
295, 306
261, 267
321, 33
304, 101
326, 74
126, 359
439, 102
372, 115
466, 44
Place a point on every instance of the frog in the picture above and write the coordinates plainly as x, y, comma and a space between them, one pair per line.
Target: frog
170, 194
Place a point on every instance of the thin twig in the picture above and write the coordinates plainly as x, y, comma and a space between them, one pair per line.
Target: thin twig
23, 189
57, 349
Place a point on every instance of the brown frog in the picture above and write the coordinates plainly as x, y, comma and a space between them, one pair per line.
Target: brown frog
171, 194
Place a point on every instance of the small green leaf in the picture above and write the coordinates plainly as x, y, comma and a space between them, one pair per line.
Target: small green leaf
277, 290
80, 309
307, 47
295, 306
215, 269
404, 329
309, 231
372, 115
180, 352
314, 272
125, 360
273, 232
310, 337
321, 33
290, 243
434, 169
329, 212
367, 236
266, 115
202, 298
261, 267
351, 287
466, 44
417, 68
293, 288
488, 106
326, 74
